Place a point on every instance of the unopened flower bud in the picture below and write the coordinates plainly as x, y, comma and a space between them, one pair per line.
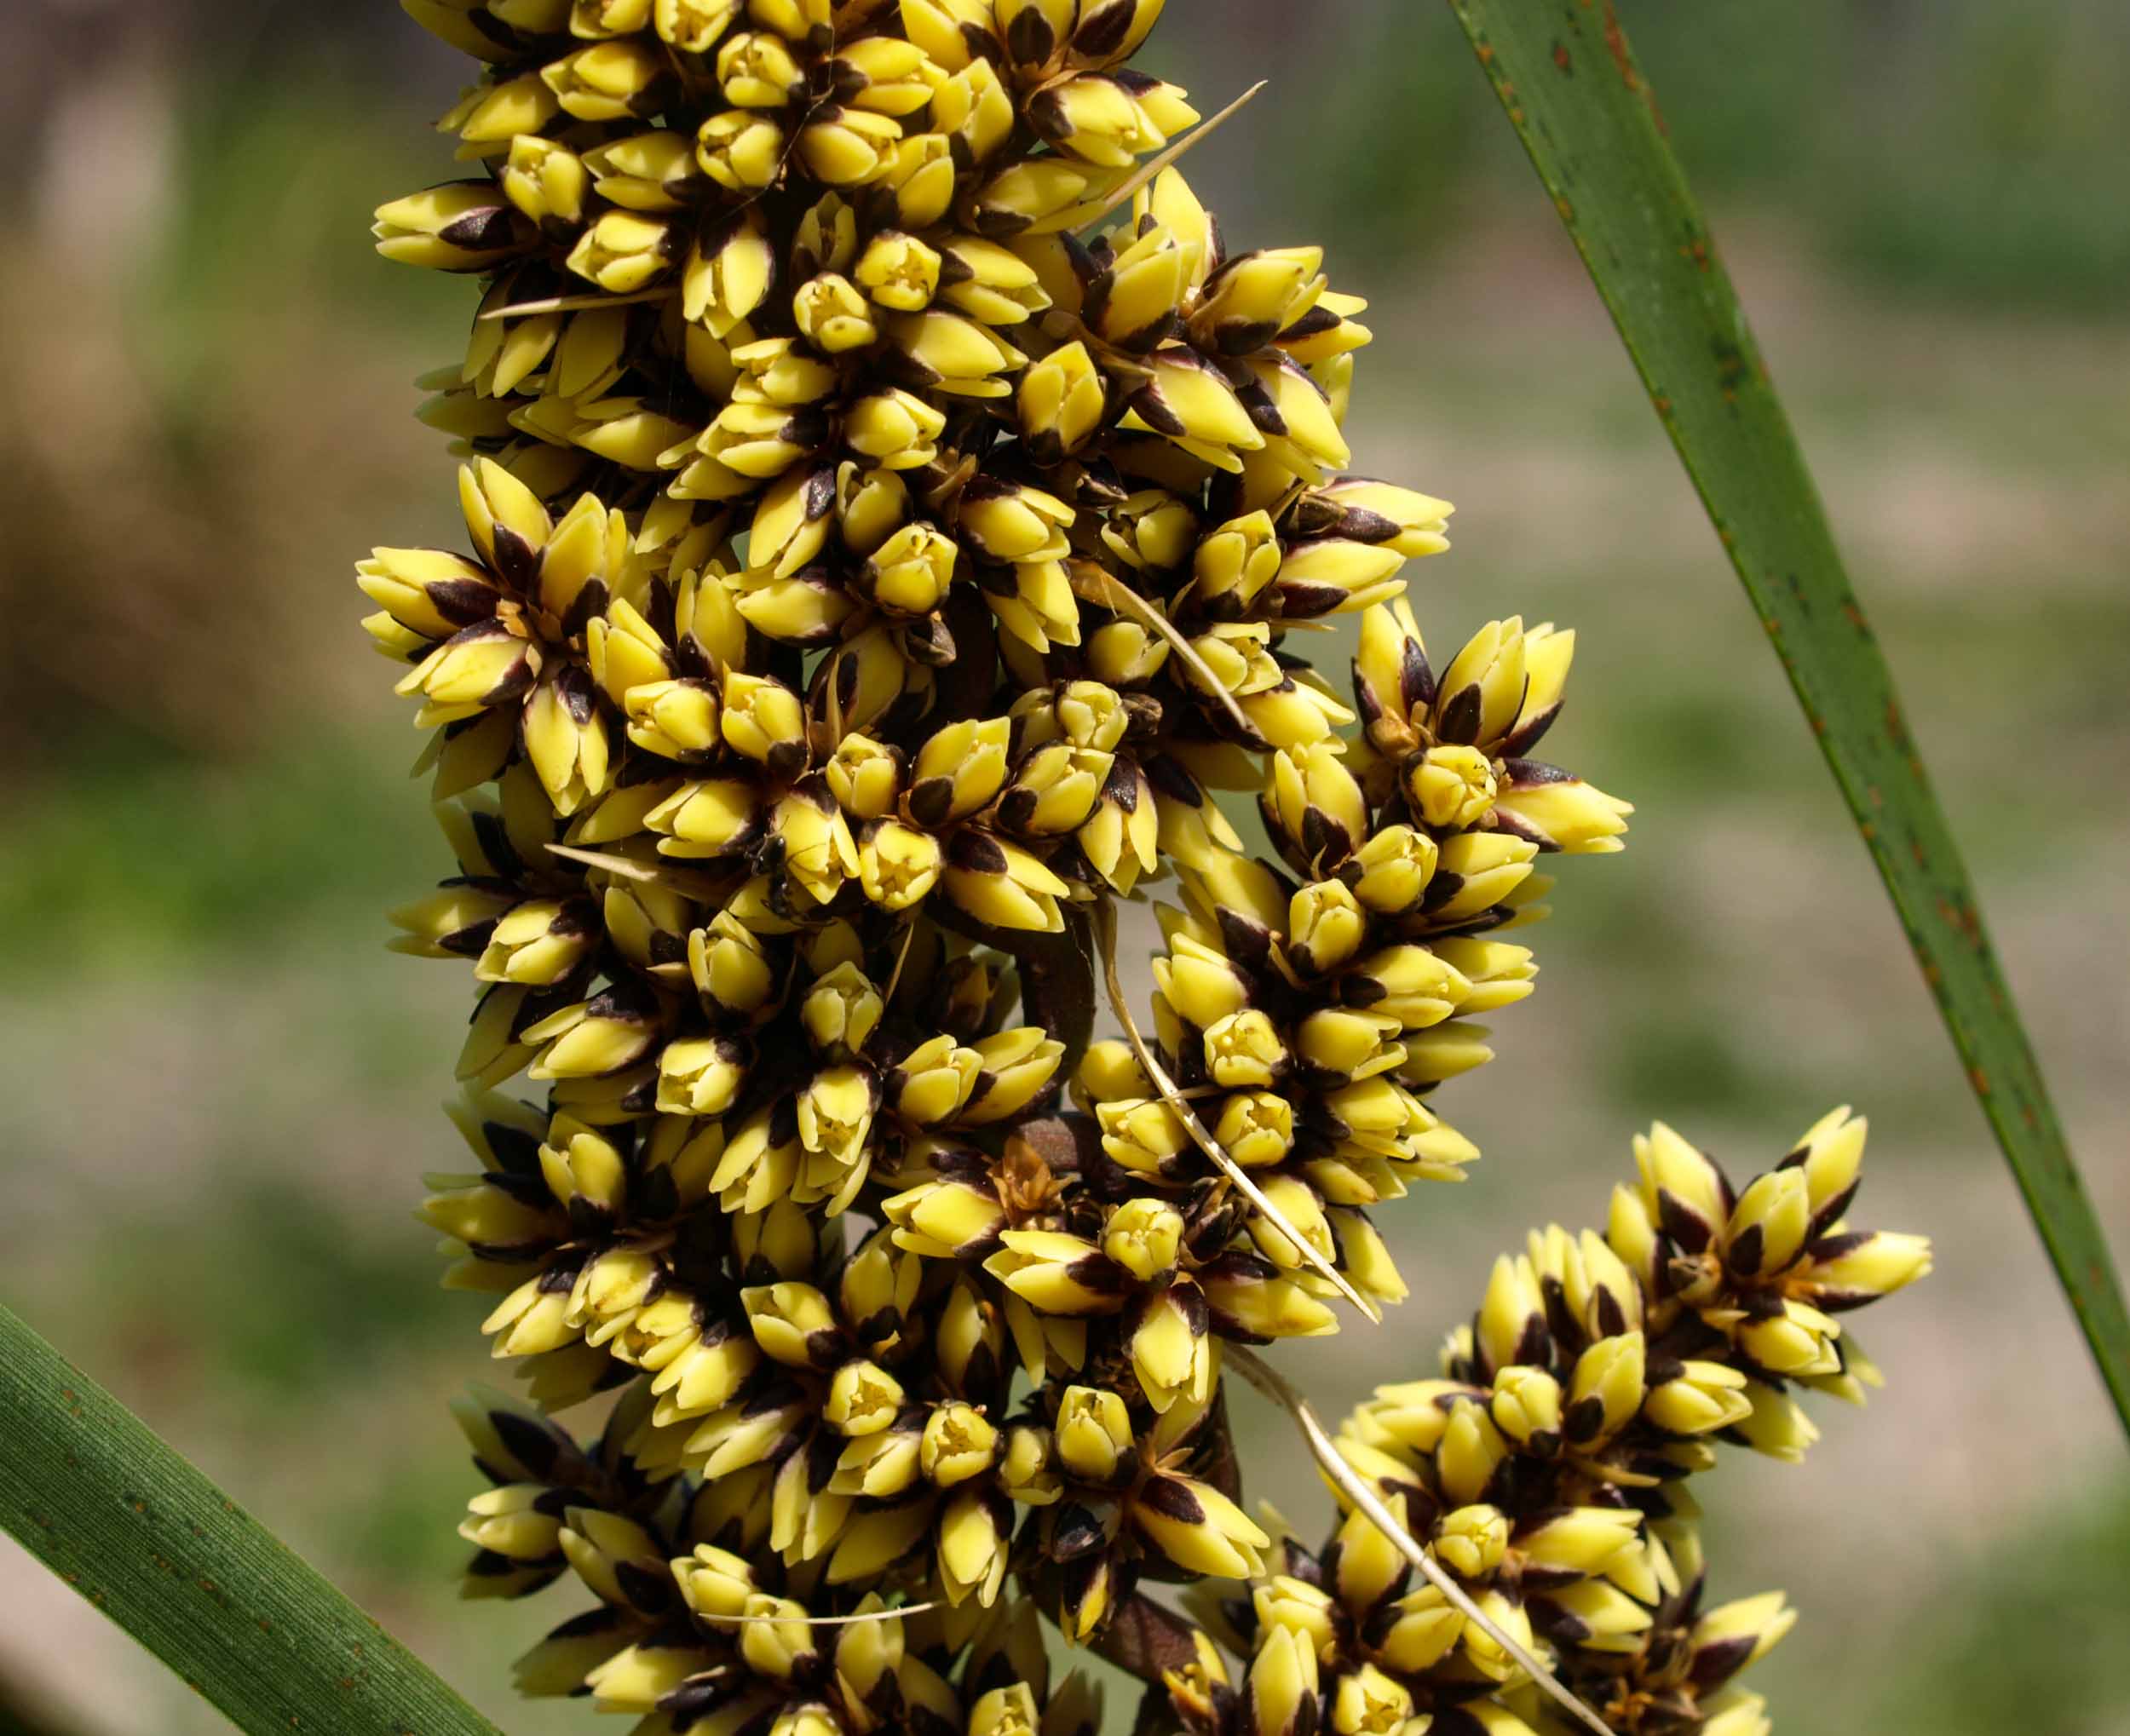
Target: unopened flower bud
1060, 401
741, 150
1472, 1541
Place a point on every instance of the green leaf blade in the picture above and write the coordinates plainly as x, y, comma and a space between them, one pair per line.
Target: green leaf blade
1567, 79
91, 1492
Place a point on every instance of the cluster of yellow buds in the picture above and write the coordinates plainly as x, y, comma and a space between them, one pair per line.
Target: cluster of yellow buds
697, 1624
1545, 1471
890, 510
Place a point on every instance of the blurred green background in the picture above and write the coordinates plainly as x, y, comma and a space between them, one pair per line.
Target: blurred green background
222, 1090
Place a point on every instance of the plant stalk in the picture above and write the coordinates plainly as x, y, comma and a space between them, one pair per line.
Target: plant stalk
94, 1494
1570, 83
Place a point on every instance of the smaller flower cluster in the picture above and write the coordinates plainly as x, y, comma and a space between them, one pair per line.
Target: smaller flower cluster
699, 1628
1304, 1017
1545, 1471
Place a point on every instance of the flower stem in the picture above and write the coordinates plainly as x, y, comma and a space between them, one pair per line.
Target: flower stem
1275, 1387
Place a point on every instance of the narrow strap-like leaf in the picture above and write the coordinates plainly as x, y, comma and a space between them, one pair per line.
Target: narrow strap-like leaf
90, 1490
1564, 72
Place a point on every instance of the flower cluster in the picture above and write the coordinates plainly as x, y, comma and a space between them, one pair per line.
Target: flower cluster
891, 508
1545, 1471
699, 1625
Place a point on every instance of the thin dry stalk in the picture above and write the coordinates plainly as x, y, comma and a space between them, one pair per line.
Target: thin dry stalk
688, 884
1114, 593
1087, 215
1275, 1387
573, 304
821, 1621
1106, 934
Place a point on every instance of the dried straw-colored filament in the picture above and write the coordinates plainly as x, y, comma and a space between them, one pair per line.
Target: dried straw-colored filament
627, 867
1106, 931
1275, 1387
863, 1616
1085, 216
1113, 593
575, 304
901, 958
688, 882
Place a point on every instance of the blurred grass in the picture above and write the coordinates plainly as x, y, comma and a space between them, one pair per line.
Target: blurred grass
2046, 1610
1954, 150
241, 851
223, 1092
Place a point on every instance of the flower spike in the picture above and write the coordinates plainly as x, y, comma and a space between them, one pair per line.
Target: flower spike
893, 520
